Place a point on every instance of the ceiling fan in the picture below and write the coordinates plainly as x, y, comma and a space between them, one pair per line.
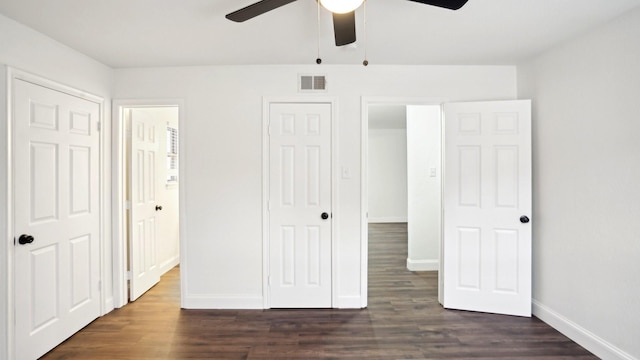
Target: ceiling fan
344, 20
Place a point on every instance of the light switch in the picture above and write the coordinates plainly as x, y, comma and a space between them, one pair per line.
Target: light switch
432, 172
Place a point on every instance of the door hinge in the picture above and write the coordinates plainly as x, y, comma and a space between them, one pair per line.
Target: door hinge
268, 205
128, 275
269, 280
127, 205
99, 285
99, 125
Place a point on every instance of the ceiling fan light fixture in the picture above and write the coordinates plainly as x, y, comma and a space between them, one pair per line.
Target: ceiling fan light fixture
341, 6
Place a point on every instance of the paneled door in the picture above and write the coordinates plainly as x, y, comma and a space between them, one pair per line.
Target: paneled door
487, 205
300, 205
143, 187
56, 216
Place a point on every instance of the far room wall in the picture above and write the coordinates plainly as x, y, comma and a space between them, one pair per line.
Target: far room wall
387, 163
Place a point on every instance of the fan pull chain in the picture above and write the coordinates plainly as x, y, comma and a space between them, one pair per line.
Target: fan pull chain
318, 59
364, 8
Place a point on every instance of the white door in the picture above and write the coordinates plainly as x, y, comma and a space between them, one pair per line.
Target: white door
300, 205
56, 216
487, 203
143, 186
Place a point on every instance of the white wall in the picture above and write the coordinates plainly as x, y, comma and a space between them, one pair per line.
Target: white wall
586, 166
222, 160
424, 159
387, 175
30, 51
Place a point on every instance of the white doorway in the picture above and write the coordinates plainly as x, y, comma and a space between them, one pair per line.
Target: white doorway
493, 254
298, 210
146, 195
389, 121
404, 176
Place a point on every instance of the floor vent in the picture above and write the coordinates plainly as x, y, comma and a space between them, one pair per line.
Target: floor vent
312, 83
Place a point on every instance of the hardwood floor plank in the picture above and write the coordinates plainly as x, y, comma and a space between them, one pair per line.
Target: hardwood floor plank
403, 321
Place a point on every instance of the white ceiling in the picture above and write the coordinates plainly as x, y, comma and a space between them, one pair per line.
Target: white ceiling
142, 33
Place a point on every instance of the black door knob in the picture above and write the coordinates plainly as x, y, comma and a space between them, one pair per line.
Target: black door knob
324, 216
524, 219
25, 239
158, 207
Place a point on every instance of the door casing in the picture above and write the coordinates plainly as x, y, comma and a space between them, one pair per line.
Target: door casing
119, 186
266, 102
8, 310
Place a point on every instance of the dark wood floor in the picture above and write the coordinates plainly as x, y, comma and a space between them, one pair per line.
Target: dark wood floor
403, 321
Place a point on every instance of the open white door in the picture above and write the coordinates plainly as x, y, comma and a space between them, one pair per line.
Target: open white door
143, 183
487, 205
300, 205
56, 216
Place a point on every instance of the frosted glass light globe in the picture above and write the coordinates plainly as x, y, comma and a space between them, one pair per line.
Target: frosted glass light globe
341, 6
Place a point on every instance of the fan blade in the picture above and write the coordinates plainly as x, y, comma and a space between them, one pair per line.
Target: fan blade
344, 28
256, 9
447, 4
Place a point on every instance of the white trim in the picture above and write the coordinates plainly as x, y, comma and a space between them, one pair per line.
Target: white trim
118, 190
6, 256
169, 264
364, 168
335, 212
53, 85
364, 201
423, 265
231, 302
266, 102
13, 74
348, 302
442, 170
577, 333
266, 301
388, 219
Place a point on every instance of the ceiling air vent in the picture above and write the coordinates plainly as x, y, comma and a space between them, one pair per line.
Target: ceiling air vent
312, 83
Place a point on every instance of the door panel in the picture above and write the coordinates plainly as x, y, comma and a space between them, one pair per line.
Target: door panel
143, 254
487, 250
299, 192
56, 179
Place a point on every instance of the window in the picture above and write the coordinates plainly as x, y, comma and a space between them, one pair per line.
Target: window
172, 155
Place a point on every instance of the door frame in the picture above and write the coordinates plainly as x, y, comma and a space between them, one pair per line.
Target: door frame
118, 190
7, 254
266, 105
364, 176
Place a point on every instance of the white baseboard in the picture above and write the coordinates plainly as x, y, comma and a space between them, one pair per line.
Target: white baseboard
108, 305
423, 265
235, 302
580, 335
169, 264
348, 302
388, 219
